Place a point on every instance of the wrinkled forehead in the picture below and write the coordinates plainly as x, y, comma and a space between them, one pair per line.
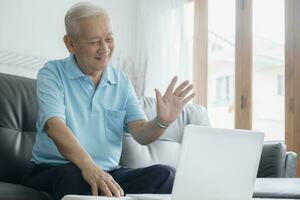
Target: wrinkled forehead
94, 26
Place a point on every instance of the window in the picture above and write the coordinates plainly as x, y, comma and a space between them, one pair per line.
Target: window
280, 86
266, 97
224, 90
268, 68
221, 62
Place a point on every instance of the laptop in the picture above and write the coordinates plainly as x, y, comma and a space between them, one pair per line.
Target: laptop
214, 164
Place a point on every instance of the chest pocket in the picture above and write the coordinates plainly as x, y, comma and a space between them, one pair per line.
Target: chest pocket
114, 125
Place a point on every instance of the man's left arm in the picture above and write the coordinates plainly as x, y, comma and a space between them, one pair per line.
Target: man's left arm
169, 106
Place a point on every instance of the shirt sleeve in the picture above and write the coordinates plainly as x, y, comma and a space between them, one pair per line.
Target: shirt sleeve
133, 107
50, 94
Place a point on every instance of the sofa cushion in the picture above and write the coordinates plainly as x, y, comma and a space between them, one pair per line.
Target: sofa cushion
285, 188
166, 149
18, 113
15, 154
191, 114
18, 102
9, 191
135, 155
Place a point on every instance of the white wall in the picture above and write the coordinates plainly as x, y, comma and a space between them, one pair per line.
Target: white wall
35, 28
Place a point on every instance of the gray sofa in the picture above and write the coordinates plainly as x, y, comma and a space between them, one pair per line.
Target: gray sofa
18, 112
277, 168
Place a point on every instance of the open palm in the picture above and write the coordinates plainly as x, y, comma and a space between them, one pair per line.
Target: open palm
170, 105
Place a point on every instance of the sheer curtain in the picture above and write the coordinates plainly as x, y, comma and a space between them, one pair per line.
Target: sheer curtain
163, 47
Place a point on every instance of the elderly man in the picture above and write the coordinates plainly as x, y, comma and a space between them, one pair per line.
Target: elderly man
84, 106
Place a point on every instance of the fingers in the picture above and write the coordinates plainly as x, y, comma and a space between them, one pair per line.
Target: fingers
113, 189
110, 187
188, 98
185, 91
158, 96
94, 188
104, 188
104, 184
118, 187
179, 89
170, 88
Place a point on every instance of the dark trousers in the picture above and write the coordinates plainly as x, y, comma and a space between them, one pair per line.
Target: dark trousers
67, 179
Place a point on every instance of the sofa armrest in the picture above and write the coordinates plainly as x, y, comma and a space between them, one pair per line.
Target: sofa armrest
290, 164
272, 161
275, 162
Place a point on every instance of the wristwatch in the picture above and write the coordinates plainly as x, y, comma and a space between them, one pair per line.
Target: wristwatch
161, 125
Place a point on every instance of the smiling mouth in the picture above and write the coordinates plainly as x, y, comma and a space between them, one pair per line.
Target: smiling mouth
101, 58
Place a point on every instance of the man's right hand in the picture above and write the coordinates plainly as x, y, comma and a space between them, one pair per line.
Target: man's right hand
101, 181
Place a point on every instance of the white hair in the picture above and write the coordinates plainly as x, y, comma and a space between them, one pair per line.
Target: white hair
79, 11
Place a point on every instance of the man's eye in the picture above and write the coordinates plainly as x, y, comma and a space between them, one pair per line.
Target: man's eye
93, 43
109, 39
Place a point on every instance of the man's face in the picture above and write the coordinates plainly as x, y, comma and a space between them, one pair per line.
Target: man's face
94, 43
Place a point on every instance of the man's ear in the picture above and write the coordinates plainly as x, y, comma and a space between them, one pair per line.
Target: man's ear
69, 42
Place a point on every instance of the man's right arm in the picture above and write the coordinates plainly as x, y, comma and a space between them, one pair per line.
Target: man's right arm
71, 149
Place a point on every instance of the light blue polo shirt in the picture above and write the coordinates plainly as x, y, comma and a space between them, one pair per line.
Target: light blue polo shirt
96, 116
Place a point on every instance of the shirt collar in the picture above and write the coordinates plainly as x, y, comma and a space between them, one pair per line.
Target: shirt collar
72, 68
109, 76
74, 72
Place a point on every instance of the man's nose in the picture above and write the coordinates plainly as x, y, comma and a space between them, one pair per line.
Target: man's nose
103, 47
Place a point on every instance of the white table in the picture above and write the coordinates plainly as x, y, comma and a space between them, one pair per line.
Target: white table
129, 197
